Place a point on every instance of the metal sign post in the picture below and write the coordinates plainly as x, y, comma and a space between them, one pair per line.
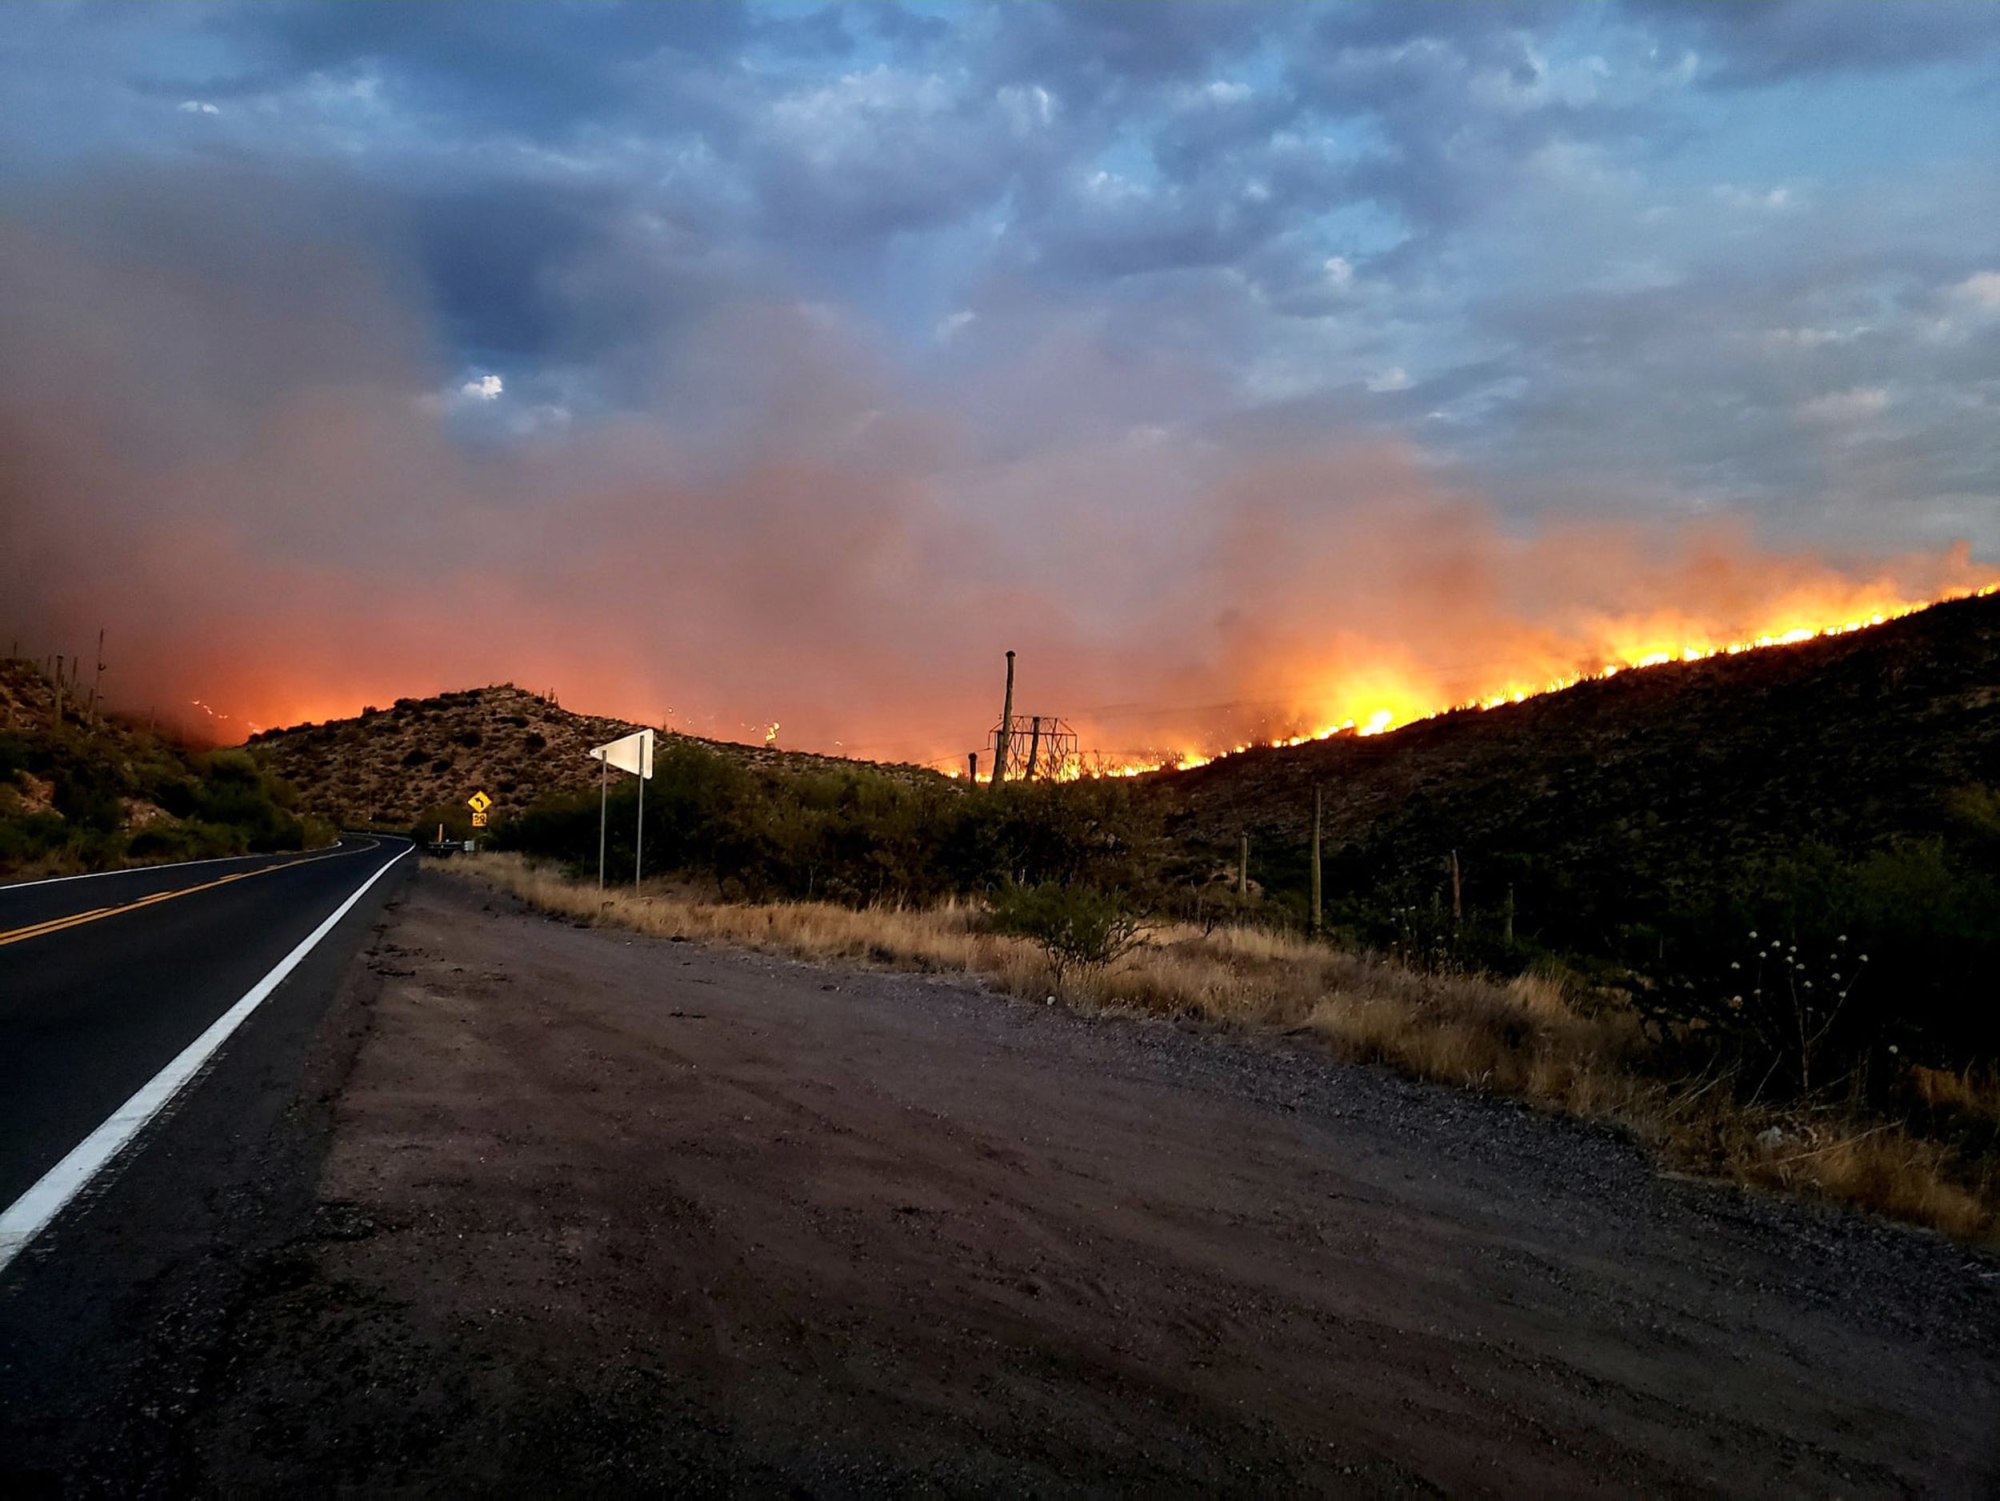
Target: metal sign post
633, 753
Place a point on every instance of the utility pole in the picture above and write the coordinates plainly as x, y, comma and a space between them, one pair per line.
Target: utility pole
1006, 724
1510, 914
1457, 905
1243, 864
972, 767
1319, 808
1034, 744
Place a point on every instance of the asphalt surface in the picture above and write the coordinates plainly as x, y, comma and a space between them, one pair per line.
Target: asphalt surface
106, 1317
94, 1009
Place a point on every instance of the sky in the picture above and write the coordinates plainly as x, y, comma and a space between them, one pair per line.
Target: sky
1248, 368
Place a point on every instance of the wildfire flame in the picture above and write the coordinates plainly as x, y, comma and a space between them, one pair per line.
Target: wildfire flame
1382, 699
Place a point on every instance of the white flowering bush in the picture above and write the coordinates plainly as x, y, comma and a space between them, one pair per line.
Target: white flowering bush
1781, 1010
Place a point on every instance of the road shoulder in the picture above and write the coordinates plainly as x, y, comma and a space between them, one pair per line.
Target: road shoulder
604, 1212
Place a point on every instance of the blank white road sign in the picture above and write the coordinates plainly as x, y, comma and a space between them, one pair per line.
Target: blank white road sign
633, 753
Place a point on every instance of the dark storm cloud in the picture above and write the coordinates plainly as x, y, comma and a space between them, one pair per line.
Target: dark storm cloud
1764, 41
1093, 48
1850, 372
496, 256
543, 66
1461, 98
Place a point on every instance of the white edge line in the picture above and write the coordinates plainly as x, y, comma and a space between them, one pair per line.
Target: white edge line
30, 1214
134, 870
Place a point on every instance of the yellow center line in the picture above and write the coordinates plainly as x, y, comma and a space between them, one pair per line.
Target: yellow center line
76, 920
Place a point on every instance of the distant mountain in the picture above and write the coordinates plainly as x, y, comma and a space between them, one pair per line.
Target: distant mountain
1618, 799
386, 766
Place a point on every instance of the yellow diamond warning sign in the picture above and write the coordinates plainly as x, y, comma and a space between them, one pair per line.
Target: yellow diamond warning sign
479, 802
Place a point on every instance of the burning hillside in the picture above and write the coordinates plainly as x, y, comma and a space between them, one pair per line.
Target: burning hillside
1399, 695
1606, 806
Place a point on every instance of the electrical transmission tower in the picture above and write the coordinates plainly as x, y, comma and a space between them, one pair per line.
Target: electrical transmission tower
1041, 747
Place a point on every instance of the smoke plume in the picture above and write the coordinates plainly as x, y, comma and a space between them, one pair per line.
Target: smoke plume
230, 441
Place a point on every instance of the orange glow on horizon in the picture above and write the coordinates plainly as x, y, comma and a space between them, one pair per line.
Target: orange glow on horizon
1387, 688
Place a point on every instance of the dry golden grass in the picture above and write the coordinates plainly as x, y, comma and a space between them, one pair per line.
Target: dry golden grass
1523, 1038
1971, 1095
1883, 1168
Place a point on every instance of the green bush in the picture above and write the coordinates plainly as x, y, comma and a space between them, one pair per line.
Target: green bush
25, 837
222, 802
186, 839
1925, 912
850, 835
1076, 927
235, 792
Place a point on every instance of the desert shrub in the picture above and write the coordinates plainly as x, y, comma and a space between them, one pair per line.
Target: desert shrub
455, 818
1787, 1016
1076, 927
186, 839
850, 835
26, 837
218, 803
90, 802
1925, 912
1209, 904
1634, 912
236, 792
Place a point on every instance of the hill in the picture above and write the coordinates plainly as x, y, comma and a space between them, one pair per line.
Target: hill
388, 766
1622, 815
1843, 739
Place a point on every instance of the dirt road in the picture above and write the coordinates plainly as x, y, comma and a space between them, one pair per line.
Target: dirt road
603, 1213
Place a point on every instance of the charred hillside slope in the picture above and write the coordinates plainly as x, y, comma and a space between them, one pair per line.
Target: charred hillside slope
1617, 801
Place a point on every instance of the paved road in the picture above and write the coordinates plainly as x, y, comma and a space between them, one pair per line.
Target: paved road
105, 979
108, 1314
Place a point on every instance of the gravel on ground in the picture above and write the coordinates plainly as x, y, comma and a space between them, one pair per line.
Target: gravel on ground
604, 1213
